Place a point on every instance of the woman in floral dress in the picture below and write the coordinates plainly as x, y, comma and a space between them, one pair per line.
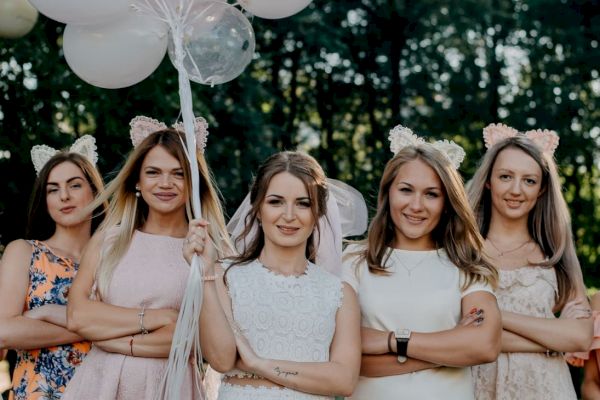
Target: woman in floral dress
35, 275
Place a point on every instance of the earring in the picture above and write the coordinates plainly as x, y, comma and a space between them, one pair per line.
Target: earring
137, 191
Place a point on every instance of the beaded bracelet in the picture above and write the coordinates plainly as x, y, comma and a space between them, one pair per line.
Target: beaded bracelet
208, 278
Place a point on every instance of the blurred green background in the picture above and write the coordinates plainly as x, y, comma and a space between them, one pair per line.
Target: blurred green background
333, 80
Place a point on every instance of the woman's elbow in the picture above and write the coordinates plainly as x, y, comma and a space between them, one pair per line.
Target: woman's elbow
222, 362
488, 350
346, 384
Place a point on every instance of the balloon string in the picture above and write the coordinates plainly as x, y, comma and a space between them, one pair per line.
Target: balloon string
186, 337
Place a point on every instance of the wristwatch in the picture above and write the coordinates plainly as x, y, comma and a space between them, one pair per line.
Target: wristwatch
402, 338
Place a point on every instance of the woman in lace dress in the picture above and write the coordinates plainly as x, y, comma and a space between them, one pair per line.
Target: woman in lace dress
425, 291
516, 196
133, 274
36, 274
295, 326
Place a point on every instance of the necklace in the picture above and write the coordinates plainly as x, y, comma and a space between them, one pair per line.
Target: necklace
415, 266
503, 252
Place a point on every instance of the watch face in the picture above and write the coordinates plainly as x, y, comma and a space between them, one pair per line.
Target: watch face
403, 334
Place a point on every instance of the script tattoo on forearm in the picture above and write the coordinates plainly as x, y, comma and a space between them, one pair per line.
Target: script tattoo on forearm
285, 374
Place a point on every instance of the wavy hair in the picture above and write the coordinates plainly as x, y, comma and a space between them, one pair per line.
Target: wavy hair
39, 223
549, 222
126, 212
303, 167
456, 232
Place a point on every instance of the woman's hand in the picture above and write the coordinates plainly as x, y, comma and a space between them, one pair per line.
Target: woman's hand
196, 242
576, 309
474, 317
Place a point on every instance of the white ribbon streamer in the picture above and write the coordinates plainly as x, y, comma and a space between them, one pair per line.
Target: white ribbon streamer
187, 335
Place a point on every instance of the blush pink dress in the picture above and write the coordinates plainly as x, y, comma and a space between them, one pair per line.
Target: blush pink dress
153, 273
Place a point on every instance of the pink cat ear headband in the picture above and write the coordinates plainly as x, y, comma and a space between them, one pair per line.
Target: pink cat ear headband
142, 127
401, 137
544, 139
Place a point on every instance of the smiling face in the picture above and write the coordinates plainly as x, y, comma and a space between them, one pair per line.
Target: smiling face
417, 201
162, 182
515, 184
67, 193
285, 213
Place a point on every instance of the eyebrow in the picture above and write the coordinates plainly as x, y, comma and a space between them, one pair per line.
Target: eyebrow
428, 188
510, 170
160, 169
68, 181
281, 197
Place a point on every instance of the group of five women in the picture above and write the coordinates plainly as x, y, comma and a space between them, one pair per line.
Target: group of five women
452, 294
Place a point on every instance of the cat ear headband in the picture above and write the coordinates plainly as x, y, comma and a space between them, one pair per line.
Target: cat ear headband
85, 145
401, 137
142, 127
545, 140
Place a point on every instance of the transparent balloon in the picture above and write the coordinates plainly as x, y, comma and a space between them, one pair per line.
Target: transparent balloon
17, 18
274, 9
218, 41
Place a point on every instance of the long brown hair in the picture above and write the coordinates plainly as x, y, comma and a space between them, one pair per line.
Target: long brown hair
549, 222
303, 167
456, 232
126, 212
39, 223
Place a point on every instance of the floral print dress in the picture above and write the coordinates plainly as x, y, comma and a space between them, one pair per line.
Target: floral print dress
42, 374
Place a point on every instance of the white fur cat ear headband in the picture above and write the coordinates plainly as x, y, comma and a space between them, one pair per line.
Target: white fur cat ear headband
401, 137
544, 139
142, 127
85, 145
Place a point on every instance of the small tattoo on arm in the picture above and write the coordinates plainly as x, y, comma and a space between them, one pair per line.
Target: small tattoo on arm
285, 374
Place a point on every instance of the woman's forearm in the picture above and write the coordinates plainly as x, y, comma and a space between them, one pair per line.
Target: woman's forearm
321, 378
98, 321
156, 344
513, 343
568, 335
387, 364
26, 333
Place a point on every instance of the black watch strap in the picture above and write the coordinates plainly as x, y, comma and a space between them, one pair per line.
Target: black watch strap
402, 346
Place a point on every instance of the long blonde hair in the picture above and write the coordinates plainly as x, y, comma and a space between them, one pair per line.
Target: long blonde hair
456, 232
126, 212
549, 222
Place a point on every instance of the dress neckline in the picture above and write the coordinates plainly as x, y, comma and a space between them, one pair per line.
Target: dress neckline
277, 275
157, 236
67, 260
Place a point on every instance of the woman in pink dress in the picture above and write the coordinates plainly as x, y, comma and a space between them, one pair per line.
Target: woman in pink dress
516, 196
133, 275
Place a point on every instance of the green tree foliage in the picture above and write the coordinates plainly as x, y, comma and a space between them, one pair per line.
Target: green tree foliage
333, 80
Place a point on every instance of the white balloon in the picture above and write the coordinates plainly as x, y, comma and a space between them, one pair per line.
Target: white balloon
17, 18
274, 9
82, 11
218, 41
118, 54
